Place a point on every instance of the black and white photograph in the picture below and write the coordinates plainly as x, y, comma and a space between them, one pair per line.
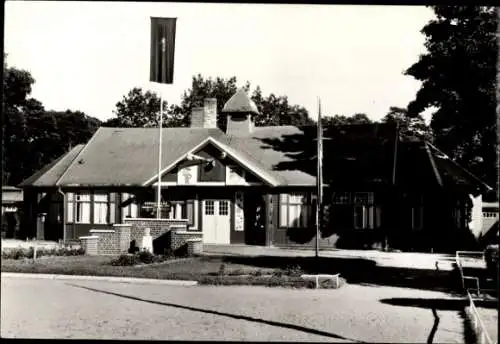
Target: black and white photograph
183, 171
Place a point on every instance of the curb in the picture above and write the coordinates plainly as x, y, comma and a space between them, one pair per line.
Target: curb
100, 278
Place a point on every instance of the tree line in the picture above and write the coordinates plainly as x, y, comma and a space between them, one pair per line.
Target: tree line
458, 81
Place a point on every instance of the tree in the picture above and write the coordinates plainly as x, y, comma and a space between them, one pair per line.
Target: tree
201, 88
274, 110
358, 118
32, 136
408, 126
458, 79
141, 109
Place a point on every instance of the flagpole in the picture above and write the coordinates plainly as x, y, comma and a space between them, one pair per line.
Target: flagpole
160, 142
162, 72
319, 177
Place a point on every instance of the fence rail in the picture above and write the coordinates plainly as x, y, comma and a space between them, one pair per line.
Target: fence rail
479, 327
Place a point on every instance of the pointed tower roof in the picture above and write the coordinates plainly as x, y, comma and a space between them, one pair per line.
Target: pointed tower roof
240, 102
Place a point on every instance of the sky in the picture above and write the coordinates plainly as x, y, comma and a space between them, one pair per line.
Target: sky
87, 55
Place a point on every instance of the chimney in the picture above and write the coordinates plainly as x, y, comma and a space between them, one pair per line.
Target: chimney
205, 116
210, 118
197, 114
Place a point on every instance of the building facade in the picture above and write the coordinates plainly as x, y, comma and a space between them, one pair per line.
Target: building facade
257, 185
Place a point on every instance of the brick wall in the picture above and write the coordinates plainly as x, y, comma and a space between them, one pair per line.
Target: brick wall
179, 240
169, 234
194, 246
108, 242
159, 229
89, 244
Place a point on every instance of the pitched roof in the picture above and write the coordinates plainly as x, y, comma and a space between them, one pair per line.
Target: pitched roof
50, 174
353, 155
128, 156
240, 102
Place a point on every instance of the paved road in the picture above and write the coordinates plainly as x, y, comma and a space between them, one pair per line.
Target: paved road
411, 260
41, 308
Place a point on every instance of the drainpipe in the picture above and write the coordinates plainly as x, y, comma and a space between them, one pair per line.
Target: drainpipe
63, 219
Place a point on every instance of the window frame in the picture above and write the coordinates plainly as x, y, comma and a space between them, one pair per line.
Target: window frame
83, 202
96, 203
73, 200
284, 200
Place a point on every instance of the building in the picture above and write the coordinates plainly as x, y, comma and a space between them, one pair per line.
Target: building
257, 185
12, 199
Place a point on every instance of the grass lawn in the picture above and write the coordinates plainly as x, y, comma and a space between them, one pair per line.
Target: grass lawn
205, 270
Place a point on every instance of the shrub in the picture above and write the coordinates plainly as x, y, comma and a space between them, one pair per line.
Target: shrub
294, 270
278, 273
222, 270
126, 260
146, 257
256, 273
17, 253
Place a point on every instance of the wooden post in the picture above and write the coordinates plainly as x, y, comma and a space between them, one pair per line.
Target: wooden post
34, 249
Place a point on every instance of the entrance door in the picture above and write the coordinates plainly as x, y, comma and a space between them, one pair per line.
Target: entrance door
216, 224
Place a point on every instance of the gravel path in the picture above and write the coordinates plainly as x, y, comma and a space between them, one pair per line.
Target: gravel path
33, 308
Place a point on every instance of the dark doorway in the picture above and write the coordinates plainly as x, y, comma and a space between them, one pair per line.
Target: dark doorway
255, 215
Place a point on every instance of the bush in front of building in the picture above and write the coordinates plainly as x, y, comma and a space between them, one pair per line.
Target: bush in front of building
20, 253
126, 260
141, 257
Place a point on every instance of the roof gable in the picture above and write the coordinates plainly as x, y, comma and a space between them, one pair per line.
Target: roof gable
129, 156
239, 156
50, 174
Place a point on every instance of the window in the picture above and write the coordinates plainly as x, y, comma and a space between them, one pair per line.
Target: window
100, 208
223, 208
85, 207
82, 207
71, 205
209, 207
366, 213
295, 210
366, 216
181, 210
178, 210
342, 198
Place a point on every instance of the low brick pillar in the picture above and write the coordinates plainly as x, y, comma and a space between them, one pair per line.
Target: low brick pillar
108, 242
194, 246
160, 230
124, 234
158, 227
89, 244
179, 240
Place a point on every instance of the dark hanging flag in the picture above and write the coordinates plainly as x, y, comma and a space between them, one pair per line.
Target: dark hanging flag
162, 50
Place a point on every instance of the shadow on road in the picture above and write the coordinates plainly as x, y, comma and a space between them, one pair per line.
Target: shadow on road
439, 304
359, 271
458, 305
234, 316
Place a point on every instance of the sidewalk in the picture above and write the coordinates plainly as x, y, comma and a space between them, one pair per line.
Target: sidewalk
99, 278
425, 261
